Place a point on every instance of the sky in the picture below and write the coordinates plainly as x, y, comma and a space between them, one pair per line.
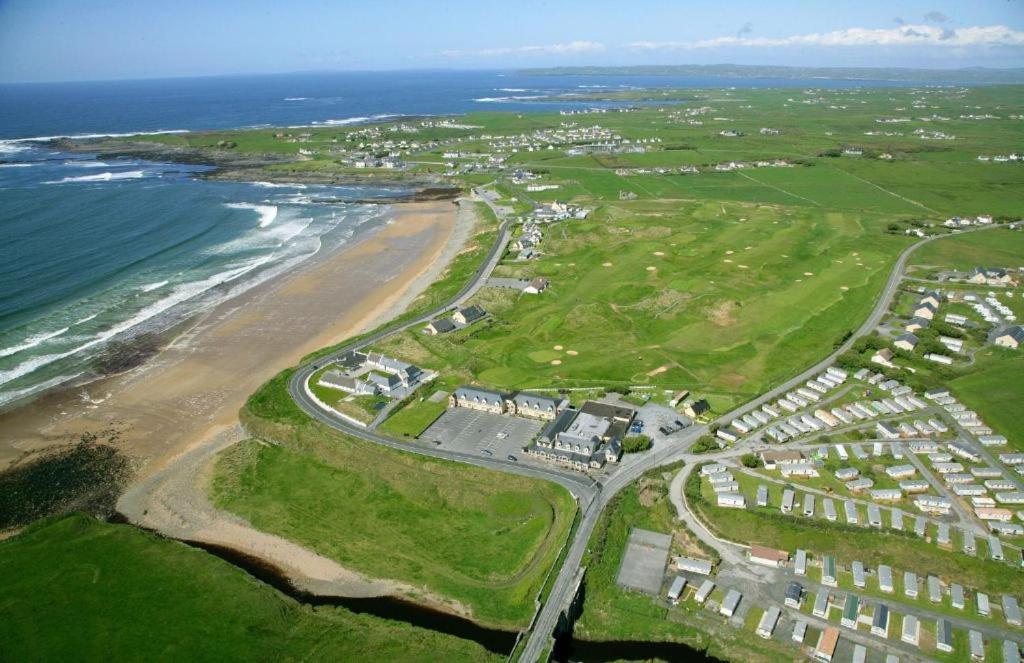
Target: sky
67, 40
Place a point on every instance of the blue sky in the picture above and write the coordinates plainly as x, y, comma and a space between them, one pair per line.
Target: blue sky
55, 40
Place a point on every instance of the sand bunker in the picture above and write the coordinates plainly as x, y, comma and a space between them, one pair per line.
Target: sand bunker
556, 362
659, 253
651, 268
606, 264
558, 347
571, 352
660, 369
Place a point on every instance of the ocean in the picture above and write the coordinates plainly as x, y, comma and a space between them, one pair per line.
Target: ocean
95, 252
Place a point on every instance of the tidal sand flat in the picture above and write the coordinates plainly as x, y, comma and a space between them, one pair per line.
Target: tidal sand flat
194, 388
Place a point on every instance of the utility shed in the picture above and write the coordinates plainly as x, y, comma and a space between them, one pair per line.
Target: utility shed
1011, 652
828, 571
762, 495
885, 579
851, 512
731, 602
956, 595
969, 546
826, 647
1011, 610
977, 645
943, 539
692, 565
830, 509
851, 611
995, 549
983, 606
799, 630
880, 621
859, 579
919, 525
821, 604
800, 563
769, 619
934, 589
860, 654
794, 594
676, 590
808, 505
911, 630
705, 590
897, 519
943, 636
910, 584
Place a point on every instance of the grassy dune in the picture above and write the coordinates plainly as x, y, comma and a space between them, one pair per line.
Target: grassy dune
79, 589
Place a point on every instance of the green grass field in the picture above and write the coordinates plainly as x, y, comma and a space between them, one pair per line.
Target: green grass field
473, 536
80, 589
997, 248
723, 298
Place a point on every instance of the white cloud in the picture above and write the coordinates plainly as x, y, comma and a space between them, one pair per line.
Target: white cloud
572, 47
903, 35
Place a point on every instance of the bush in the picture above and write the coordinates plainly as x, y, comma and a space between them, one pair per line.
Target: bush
750, 460
636, 443
704, 444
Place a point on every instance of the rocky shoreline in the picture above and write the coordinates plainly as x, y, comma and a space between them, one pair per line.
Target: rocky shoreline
248, 167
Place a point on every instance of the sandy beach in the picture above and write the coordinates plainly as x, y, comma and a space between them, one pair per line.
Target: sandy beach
192, 390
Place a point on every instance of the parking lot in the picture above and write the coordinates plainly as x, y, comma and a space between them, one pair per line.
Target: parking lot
482, 433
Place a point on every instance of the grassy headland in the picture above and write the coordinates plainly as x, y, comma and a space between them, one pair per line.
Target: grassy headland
80, 589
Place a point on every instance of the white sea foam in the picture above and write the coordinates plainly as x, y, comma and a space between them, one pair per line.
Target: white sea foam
356, 120
274, 185
511, 89
17, 165
16, 143
180, 294
86, 318
31, 342
267, 213
150, 287
296, 98
514, 97
86, 164
11, 146
8, 396
101, 177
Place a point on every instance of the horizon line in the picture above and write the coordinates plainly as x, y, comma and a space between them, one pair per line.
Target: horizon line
301, 72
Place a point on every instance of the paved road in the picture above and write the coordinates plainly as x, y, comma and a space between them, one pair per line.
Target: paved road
592, 496
580, 485
544, 625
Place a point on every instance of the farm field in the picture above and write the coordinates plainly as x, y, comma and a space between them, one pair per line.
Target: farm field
80, 589
455, 530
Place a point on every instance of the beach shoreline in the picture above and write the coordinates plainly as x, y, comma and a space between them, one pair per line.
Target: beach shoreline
193, 388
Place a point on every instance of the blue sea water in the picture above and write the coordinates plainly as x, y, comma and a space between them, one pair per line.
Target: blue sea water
95, 251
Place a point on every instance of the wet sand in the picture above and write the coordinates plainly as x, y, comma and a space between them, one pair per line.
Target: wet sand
192, 390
